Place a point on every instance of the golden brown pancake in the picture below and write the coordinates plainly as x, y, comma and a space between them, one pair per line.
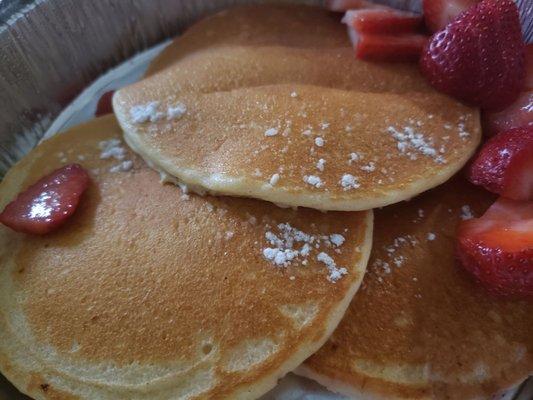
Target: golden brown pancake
269, 102
419, 327
149, 293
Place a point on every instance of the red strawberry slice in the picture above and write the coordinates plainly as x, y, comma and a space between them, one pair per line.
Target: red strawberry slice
479, 57
48, 203
377, 47
518, 179
505, 164
104, 104
518, 114
497, 249
439, 13
529, 66
345, 5
385, 20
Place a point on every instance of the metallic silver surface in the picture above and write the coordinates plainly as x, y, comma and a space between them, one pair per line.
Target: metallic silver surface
51, 49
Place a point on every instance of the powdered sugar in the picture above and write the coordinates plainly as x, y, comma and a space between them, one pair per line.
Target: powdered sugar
150, 111
229, 235
336, 239
177, 111
320, 164
271, 132
124, 166
392, 260
113, 149
461, 127
354, 157
319, 141
369, 167
274, 179
313, 180
349, 182
466, 213
334, 273
290, 245
411, 144
146, 112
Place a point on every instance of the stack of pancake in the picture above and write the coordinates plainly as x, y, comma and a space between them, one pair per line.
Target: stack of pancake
229, 225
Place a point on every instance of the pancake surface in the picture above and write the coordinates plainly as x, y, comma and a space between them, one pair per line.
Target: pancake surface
269, 102
419, 328
147, 293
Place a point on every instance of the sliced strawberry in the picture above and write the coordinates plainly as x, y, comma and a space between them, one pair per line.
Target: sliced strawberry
383, 20
518, 179
375, 47
497, 249
48, 203
104, 104
505, 164
519, 113
479, 57
345, 5
439, 13
529, 66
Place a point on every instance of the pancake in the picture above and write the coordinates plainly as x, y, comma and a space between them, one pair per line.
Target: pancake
269, 102
150, 293
420, 328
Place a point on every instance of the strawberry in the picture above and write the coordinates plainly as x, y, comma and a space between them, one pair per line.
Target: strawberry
479, 57
497, 249
48, 203
384, 20
439, 13
505, 164
345, 5
518, 114
529, 66
387, 47
104, 104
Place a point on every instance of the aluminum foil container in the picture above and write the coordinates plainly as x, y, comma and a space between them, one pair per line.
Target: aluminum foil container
50, 50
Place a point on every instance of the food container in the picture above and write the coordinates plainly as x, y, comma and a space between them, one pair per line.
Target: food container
50, 50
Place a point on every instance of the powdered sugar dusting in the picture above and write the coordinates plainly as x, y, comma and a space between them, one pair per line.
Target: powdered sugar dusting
150, 111
461, 127
291, 246
320, 164
271, 132
113, 149
466, 213
336, 239
313, 180
274, 179
369, 167
411, 144
146, 112
335, 273
349, 182
392, 259
176, 111
354, 157
124, 166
